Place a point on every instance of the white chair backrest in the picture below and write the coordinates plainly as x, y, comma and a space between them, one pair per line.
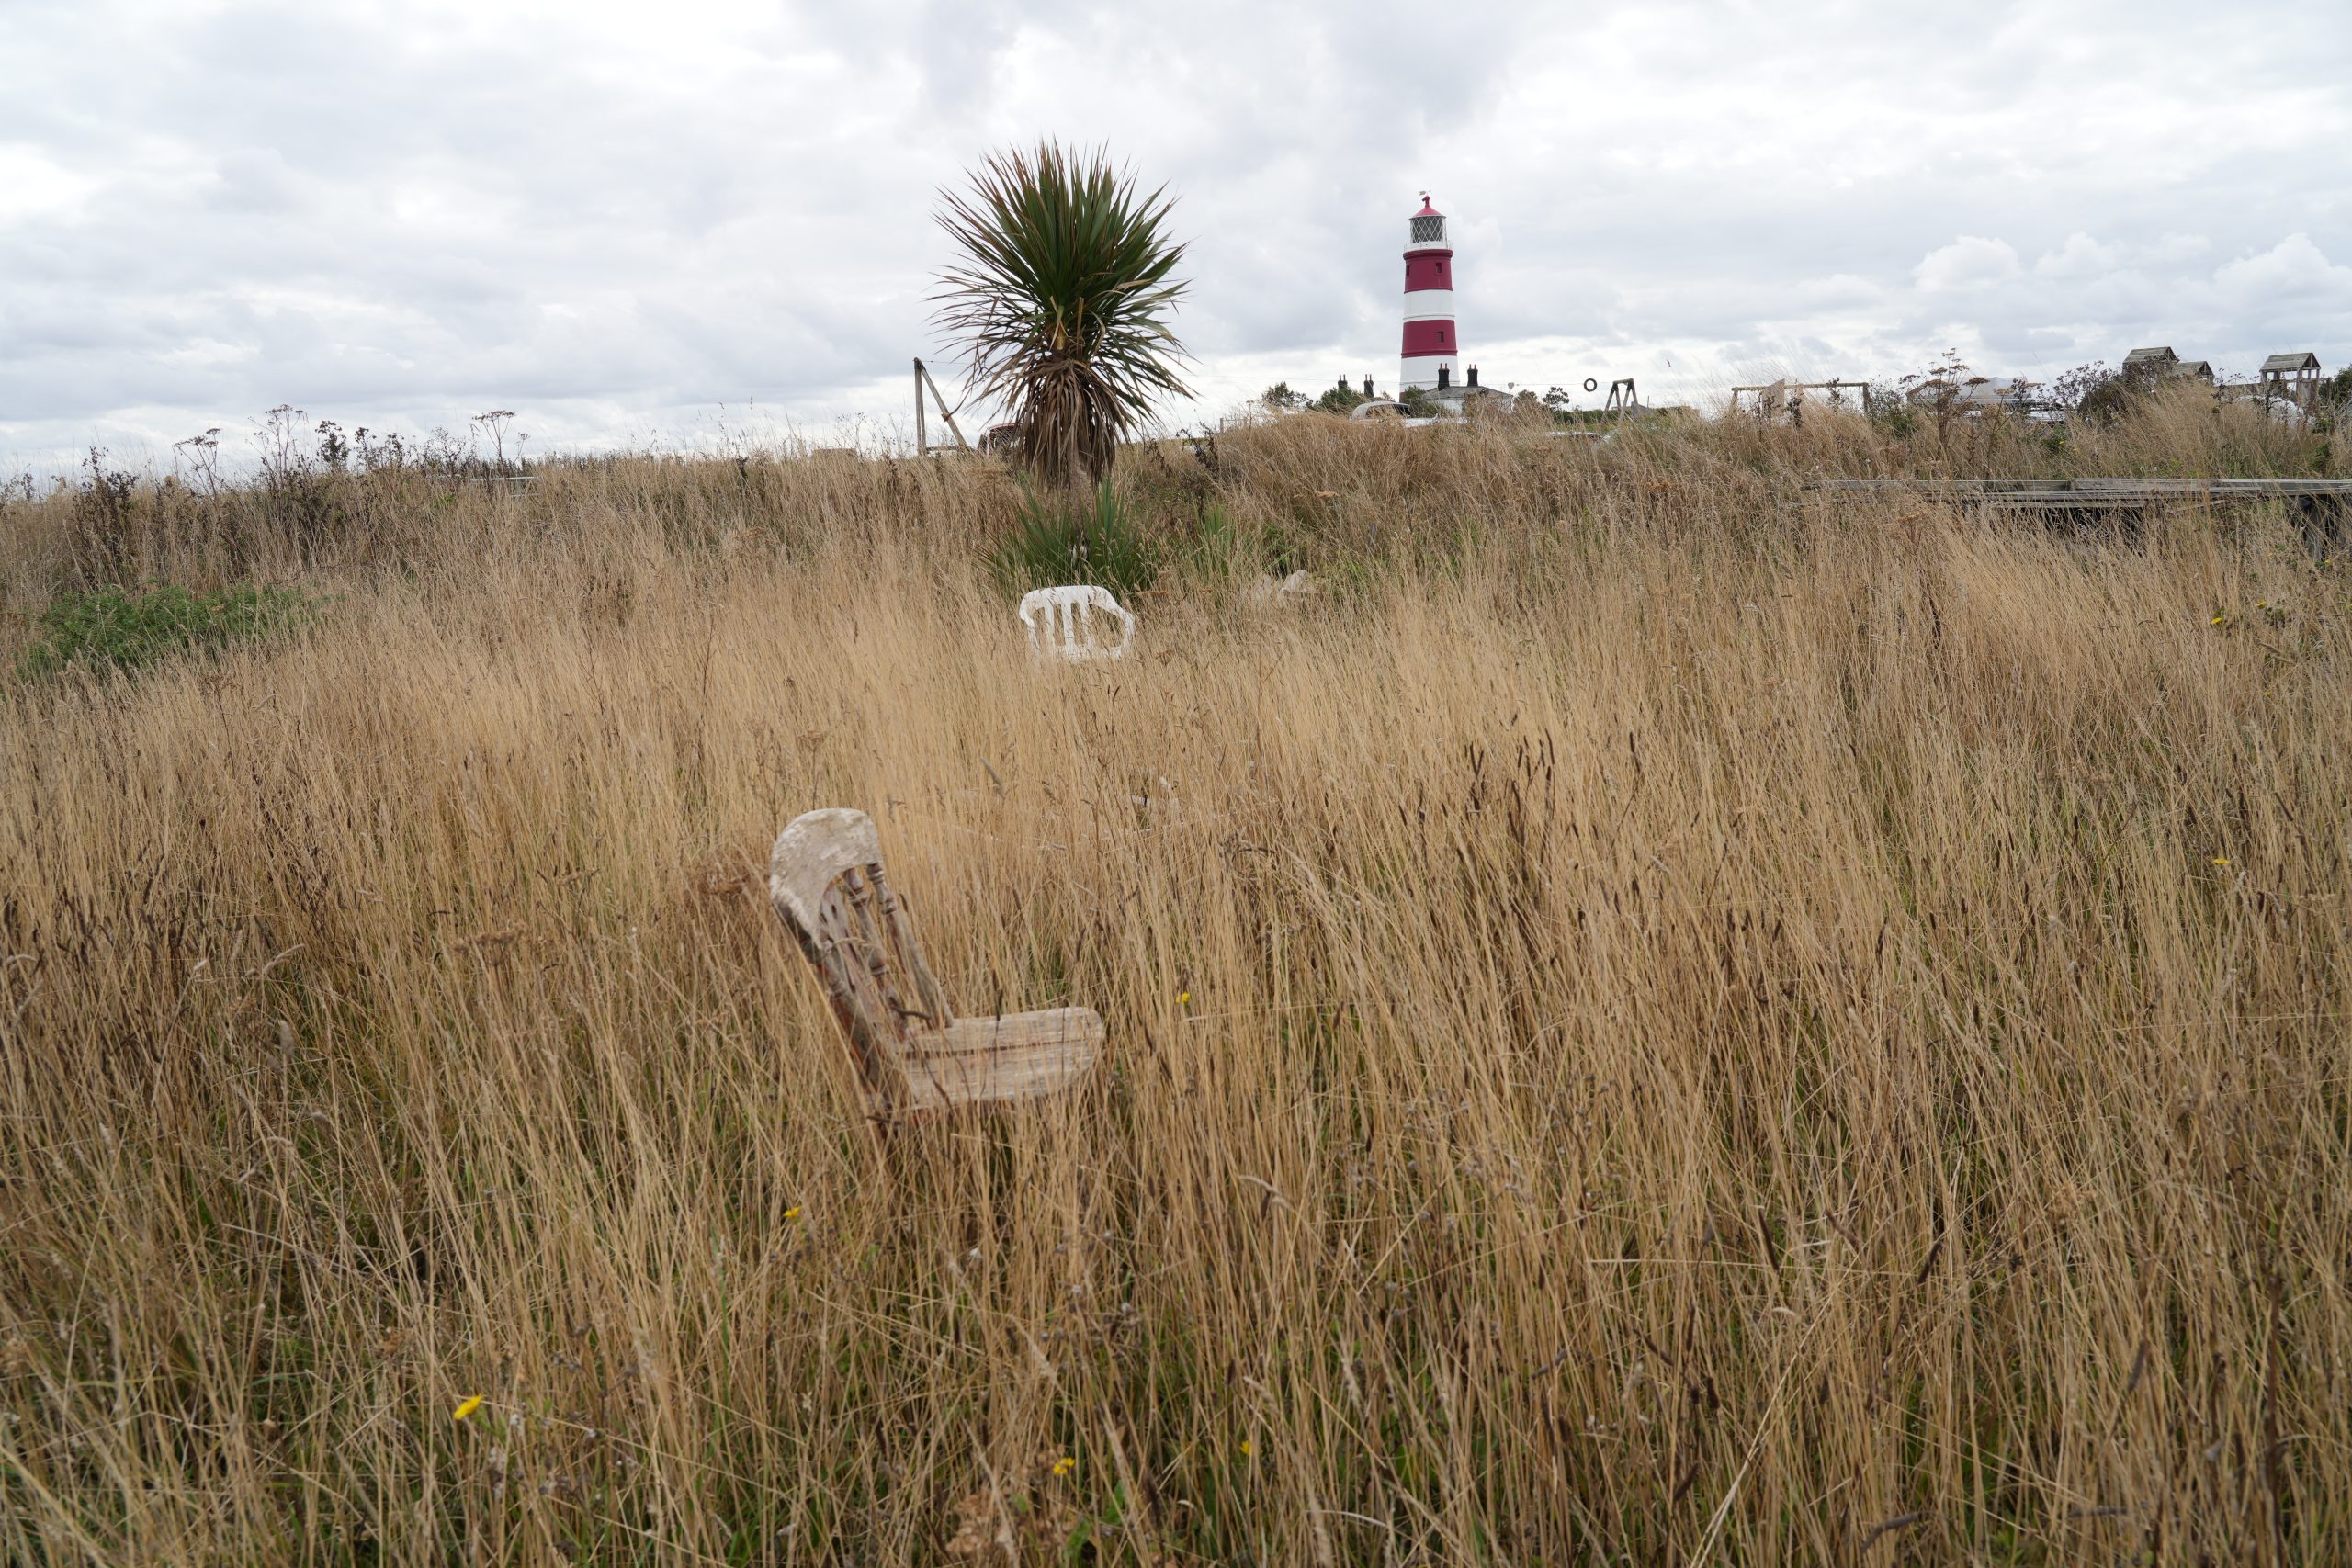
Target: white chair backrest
1061, 621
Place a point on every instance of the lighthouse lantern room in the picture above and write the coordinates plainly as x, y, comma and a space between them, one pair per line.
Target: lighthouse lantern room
1432, 357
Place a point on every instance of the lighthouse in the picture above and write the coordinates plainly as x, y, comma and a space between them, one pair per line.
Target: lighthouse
1432, 348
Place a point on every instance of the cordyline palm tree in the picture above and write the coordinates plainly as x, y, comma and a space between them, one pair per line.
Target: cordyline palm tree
1061, 303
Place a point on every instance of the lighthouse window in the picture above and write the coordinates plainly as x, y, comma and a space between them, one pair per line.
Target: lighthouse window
1427, 228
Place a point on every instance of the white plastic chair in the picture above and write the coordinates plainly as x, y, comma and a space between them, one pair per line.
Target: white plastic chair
1061, 621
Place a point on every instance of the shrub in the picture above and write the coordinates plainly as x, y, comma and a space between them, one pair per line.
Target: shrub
106, 521
1055, 542
1220, 548
2331, 406
1218, 551
126, 628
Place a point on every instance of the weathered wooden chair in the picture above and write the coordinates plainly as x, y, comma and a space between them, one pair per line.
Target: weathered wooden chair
1061, 621
915, 1058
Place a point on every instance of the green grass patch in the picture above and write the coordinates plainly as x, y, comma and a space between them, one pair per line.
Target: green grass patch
1056, 542
128, 628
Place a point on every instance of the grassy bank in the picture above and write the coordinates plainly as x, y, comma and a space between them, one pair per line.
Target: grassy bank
1664, 1018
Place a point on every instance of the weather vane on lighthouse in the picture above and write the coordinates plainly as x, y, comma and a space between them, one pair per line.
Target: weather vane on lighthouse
1432, 357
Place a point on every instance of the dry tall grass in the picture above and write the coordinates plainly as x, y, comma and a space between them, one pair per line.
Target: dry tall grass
1666, 1020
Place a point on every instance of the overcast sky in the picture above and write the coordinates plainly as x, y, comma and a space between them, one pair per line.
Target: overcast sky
639, 224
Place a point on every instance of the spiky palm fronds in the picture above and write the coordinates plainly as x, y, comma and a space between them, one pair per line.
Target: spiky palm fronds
1061, 302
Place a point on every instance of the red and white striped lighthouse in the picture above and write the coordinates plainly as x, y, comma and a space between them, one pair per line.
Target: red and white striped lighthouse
1432, 348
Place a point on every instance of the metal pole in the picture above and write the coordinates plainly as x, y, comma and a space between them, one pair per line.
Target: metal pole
922, 436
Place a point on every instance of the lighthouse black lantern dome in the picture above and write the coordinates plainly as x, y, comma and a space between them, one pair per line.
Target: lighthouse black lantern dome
1433, 348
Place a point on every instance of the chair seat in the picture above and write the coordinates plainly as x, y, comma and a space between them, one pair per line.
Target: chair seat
1021, 1055
914, 1057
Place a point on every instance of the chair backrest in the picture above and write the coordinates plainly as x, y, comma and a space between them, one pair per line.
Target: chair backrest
825, 879
1061, 621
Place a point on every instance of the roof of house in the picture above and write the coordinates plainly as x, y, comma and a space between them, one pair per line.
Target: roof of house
2304, 360
1976, 390
1461, 391
1992, 390
2148, 356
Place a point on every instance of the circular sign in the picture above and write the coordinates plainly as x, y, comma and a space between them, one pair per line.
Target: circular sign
1590, 385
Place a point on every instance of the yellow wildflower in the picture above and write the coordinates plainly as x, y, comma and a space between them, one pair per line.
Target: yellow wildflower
2221, 860
1183, 997
2216, 621
1248, 1448
468, 1408
1064, 1465
793, 1213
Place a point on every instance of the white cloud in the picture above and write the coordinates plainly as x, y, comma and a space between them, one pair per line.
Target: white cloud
1968, 262
2293, 270
2080, 256
33, 186
2179, 247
